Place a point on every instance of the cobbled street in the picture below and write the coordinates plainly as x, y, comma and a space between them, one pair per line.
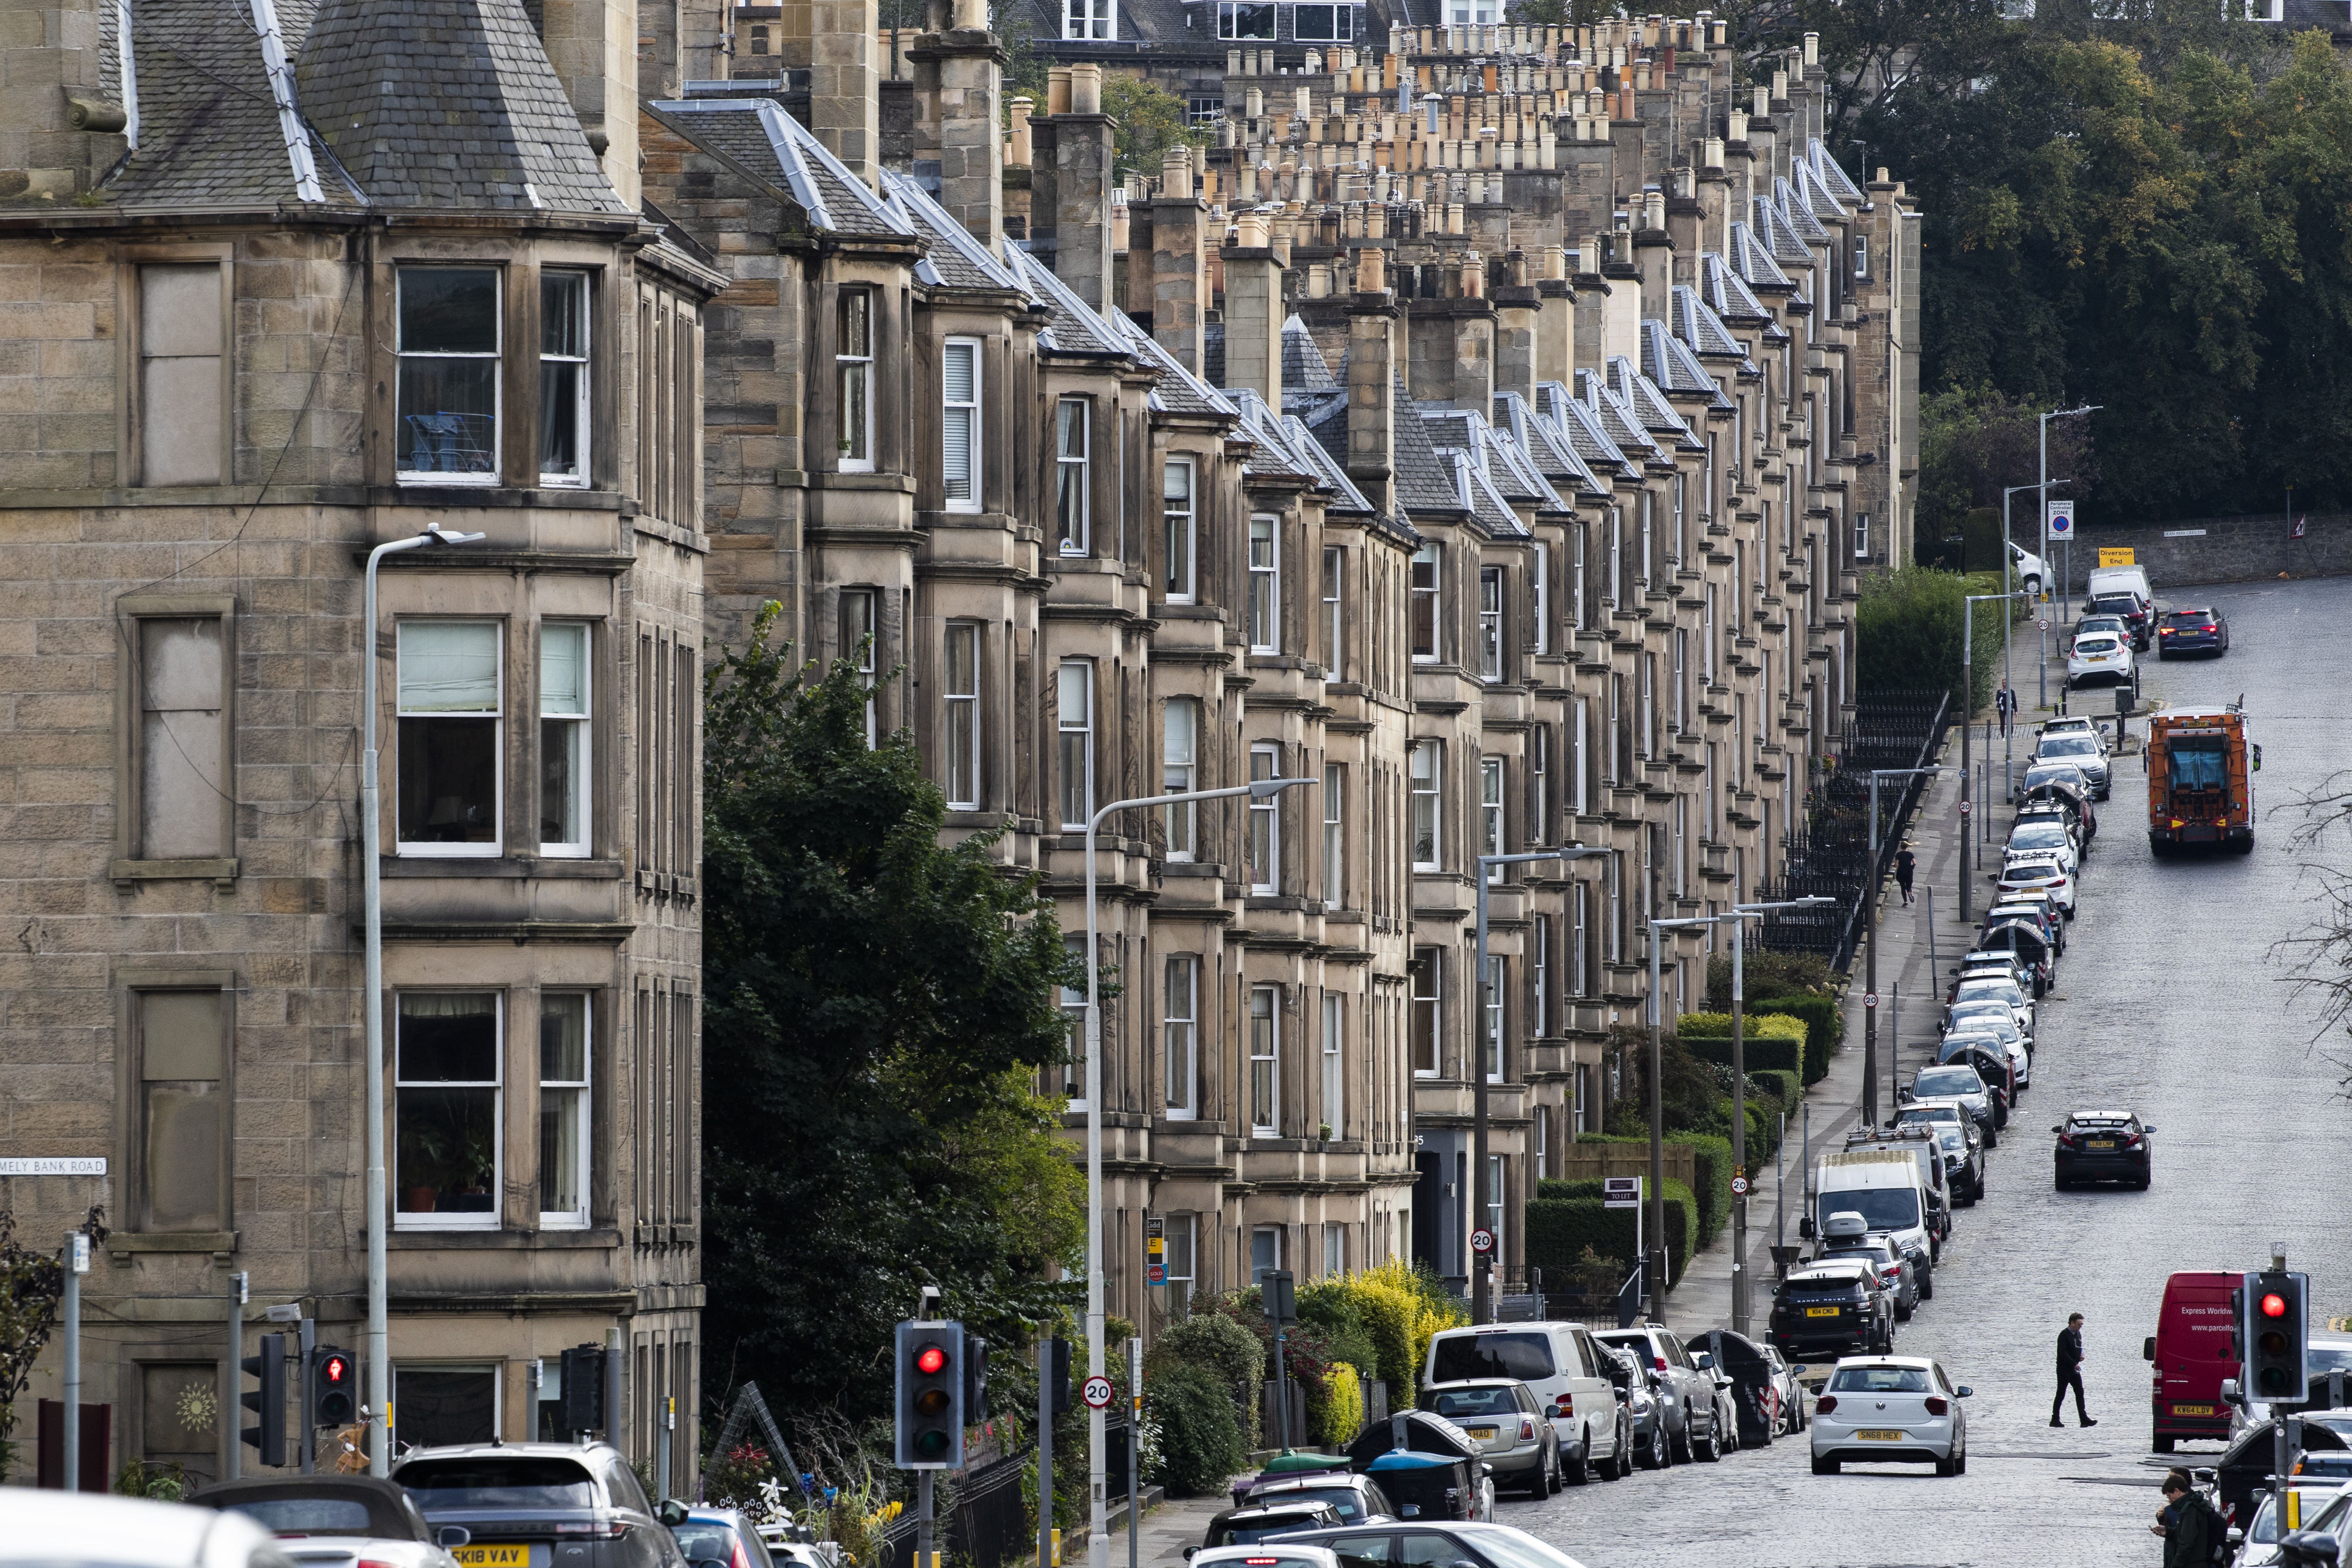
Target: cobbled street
2169, 1001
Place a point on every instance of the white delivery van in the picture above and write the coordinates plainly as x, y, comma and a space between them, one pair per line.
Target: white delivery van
1560, 1365
1884, 1186
2119, 580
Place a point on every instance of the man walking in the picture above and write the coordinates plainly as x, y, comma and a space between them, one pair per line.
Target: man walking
2070, 1371
2188, 1523
1906, 863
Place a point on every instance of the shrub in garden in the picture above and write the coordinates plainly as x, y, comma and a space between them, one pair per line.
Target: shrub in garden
1217, 1343
1201, 1444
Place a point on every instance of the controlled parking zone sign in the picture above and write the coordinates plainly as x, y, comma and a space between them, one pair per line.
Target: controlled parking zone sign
2062, 519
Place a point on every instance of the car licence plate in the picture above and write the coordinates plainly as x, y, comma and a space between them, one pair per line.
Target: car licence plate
1870, 1435
488, 1555
2101, 1144
2192, 1410
1821, 1312
1484, 1434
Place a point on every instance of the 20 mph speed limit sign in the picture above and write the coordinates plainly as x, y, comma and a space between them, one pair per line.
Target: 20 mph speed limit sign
1481, 1240
1097, 1393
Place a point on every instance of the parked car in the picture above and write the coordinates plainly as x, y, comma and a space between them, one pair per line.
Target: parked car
1560, 1364
1256, 1522
1263, 1555
2026, 568
1435, 1486
2320, 1506
2042, 775
1993, 1063
1359, 1499
1646, 1411
1790, 1392
1480, 1545
2086, 753
1962, 1085
2000, 988
1756, 1390
2033, 872
2078, 724
2052, 839
1501, 1412
2243, 1470
2053, 812
721, 1538
1849, 1239
1687, 1390
2323, 1354
1891, 1410
2191, 632
2103, 1145
86, 1530
1983, 1025
2099, 656
534, 1495
2134, 610
338, 1521
1833, 1307
1963, 1145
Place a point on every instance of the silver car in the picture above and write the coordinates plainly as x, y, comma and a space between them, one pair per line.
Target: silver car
2083, 751
1957, 1083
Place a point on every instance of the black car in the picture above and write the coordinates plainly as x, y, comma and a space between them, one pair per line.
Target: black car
2193, 632
1838, 1307
567, 1506
1248, 1526
2103, 1145
1743, 1361
2241, 1476
362, 1508
2133, 610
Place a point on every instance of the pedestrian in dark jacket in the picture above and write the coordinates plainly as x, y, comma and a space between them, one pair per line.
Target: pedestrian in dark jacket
2070, 1371
2188, 1525
1905, 862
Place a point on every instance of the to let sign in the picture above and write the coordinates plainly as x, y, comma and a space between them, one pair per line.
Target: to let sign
1620, 1192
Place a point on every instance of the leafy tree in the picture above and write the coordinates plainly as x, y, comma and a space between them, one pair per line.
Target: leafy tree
1150, 119
32, 1284
879, 1007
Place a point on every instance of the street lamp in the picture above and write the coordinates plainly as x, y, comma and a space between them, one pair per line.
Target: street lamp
379, 1331
1968, 721
2044, 499
2042, 675
1653, 1267
1737, 917
1098, 1420
1482, 1269
1870, 965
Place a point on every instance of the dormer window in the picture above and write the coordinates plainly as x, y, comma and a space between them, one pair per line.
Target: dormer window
1089, 21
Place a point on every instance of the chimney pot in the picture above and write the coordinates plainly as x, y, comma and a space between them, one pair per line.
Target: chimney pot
1057, 89
1085, 84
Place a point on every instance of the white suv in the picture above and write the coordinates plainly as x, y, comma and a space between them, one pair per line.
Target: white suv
1563, 1367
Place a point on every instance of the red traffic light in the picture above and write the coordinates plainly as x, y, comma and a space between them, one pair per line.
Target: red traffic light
334, 1369
2274, 1305
930, 1360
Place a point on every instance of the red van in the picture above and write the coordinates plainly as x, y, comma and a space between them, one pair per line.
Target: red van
2191, 1349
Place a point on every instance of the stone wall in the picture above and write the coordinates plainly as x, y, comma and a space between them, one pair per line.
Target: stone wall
2217, 550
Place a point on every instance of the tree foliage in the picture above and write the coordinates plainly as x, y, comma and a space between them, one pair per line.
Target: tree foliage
1150, 119
878, 1008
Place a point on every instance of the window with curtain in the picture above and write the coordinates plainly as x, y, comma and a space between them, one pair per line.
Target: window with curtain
1428, 767
1070, 465
1266, 824
1179, 1035
1426, 586
1335, 1102
1541, 574
1427, 1010
1540, 786
563, 377
852, 365
1265, 1061
448, 341
450, 708
1178, 530
961, 719
1335, 630
1490, 810
1179, 773
447, 1133
1075, 718
1335, 836
1490, 622
563, 786
959, 424
1264, 586
563, 1068
860, 638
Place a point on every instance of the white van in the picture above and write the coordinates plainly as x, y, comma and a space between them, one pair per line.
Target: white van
2119, 580
1884, 1186
1561, 1367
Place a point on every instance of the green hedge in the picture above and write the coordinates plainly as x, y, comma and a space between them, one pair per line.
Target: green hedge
1779, 1053
1785, 1084
1711, 1164
1824, 1028
1559, 1229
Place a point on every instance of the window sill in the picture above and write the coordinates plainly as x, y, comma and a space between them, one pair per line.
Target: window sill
417, 1240
122, 1243
399, 867
223, 872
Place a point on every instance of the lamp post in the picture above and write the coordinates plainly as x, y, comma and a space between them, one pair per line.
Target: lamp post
379, 1331
1653, 1267
1098, 1420
1967, 720
1870, 964
1482, 1270
1736, 918
2008, 752
2044, 499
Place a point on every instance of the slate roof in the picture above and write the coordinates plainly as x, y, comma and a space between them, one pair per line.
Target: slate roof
211, 133
953, 259
1726, 293
1815, 195
1070, 327
1309, 454
760, 136
1424, 486
1668, 364
1587, 435
1643, 400
1697, 325
1271, 455
1541, 442
446, 104
1303, 366
1834, 179
1781, 239
1617, 420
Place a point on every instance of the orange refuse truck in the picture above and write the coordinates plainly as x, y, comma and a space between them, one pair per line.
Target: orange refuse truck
2200, 772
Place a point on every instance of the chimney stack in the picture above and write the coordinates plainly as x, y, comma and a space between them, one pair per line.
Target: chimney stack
1070, 184
957, 86
1371, 386
1178, 265
1253, 312
844, 93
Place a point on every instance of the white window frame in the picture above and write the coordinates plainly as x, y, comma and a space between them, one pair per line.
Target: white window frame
1180, 516
1073, 1008
1182, 1232
966, 414
1265, 824
1580, 936
1428, 803
493, 1219
1490, 624
1083, 728
1273, 1236
583, 1088
497, 380
1579, 756
1067, 461
1265, 584
1228, 21
1179, 1035
1335, 835
1862, 536
1436, 999
428, 849
1335, 661
1265, 1048
960, 721
1335, 1077
577, 740
1089, 21
861, 641
1496, 1167
850, 365
1343, 22
582, 427
1179, 773
1862, 255
1335, 1249
1539, 1024
1490, 810
1542, 568
1543, 1143
1491, 1027
1539, 828
1434, 591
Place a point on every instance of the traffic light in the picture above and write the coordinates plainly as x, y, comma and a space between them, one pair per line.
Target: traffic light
2237, 1332
975, 1378
930, 1360
583, 1388
1057, 1376
268, 1401
2278, 1321
334, 1382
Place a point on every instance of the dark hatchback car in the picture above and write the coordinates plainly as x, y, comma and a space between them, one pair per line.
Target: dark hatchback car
1247, 1526
2103, 1145
1753, 1390
2133, 611
1838, 1307
555, 1505
2193, 632
329, 1512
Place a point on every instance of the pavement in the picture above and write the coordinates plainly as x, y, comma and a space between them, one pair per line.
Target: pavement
2173, 999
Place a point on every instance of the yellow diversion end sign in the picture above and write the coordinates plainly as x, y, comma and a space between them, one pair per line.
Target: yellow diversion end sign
2111, 557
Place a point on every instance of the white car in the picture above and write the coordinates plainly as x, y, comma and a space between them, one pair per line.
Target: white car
1890, 1409
2026, 568
2050, 839
2099, 656
1266, 1554
2034, 870
2089, 726
54, 1527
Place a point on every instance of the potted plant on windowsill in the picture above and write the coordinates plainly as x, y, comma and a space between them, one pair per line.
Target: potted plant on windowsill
1323, 1133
